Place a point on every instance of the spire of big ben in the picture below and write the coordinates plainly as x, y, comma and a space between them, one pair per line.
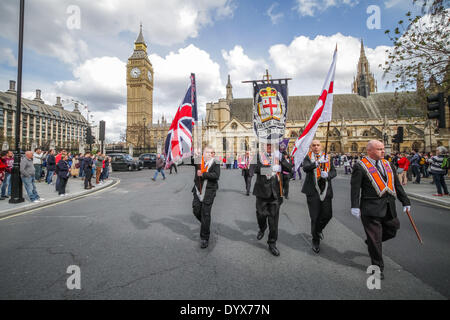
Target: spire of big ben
139, 44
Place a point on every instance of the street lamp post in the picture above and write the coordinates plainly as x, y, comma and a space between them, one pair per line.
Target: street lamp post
16, 182
144, 133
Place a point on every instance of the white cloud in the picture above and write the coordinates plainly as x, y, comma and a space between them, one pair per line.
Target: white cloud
172, 74
99, 81
392, 3
7, 56
242, 67
165, 23
307, 61
311, 7
274, 17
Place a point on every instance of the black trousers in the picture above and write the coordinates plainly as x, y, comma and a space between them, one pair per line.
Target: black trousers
268, 212
62, 185
174, 167
320, 213
87, 178
248, 181
379, 230
286, 178
202, 211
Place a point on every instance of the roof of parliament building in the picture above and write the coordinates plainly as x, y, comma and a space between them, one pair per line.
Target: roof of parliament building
37, 107
347, 106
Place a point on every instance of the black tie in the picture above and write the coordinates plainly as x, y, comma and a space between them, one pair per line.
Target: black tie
380, 170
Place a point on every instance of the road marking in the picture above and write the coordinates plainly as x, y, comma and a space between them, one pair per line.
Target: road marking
58, 203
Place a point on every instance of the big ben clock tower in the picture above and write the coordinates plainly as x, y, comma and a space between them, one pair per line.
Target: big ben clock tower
139, 93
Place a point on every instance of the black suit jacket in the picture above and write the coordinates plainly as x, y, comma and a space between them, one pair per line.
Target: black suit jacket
309, 186
267, 189
365, 197
212, 176
286, 166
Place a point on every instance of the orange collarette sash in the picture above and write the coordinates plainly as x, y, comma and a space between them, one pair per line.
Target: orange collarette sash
377, 181
327, 165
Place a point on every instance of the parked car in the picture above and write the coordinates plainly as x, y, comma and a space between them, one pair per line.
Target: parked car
149, 160
123, 161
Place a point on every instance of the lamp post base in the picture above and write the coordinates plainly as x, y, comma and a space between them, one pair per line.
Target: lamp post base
16, 181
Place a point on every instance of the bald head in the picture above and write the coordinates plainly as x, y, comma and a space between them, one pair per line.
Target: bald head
375, 149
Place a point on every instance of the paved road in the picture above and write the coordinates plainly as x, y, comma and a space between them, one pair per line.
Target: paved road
139, 240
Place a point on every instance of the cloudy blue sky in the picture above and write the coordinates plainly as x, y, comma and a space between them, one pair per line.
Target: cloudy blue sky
213, 38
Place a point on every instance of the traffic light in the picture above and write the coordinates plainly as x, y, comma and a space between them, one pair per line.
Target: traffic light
398, 138
102, 131
436, 108
88, 135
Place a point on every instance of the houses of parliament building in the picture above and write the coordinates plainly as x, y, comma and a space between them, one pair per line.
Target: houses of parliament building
42, 125
360, 116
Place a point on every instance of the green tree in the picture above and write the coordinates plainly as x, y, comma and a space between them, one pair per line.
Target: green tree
421, 43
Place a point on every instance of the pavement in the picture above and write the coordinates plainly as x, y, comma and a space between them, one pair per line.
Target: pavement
74, 189
140, 240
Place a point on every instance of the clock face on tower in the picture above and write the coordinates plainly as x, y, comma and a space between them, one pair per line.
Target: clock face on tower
135, 72
149, 74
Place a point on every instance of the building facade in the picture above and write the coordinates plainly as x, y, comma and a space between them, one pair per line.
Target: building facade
357, 118
41, 125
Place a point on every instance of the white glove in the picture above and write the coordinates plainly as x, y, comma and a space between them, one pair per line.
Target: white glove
356, 212
324, 174
406, 208
323, 159
276, 168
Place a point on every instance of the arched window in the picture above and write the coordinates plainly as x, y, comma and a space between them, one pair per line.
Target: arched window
234, 126
333, 147
294, 134
354, 147
366, 133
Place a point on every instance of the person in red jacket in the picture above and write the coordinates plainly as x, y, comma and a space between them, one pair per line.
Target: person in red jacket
403, 166
3, 166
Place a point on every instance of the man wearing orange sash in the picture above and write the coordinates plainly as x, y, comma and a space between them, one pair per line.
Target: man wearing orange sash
319, 192
374, 188
204, 190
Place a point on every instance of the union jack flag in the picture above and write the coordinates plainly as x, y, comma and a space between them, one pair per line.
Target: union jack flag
179, 140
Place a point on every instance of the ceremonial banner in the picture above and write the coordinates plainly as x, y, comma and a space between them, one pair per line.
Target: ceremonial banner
321, 113
270, 104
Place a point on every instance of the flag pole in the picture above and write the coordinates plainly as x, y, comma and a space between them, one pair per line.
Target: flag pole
195, 136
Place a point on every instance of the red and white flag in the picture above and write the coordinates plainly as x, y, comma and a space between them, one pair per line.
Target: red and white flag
321, 113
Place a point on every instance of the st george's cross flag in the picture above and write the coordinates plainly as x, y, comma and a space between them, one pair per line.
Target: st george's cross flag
179, 140
321, 113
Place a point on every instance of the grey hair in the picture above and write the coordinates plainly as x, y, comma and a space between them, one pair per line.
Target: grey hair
442, 150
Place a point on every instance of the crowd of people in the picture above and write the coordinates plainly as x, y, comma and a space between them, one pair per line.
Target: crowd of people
53, 168
410, 166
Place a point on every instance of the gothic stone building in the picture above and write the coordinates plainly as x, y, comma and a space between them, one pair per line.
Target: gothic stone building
357, 118
41, 125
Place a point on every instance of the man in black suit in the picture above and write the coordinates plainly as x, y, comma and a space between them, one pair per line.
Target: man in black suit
204, 190
268, 196
318, 190
248, 169
286, 170
374, 188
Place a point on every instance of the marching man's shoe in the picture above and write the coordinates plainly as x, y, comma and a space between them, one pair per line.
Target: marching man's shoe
260, 235
204, 244
273, 249
315, 247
